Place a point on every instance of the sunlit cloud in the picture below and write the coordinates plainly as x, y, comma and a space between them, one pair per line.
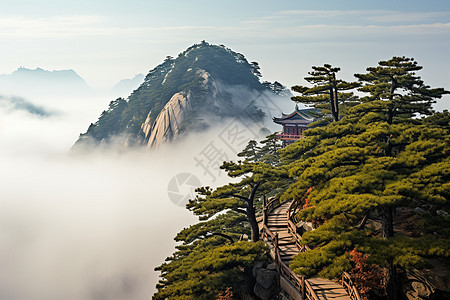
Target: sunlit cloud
66, 27
77, 26
41, 27
396, 16
90, 42
353, 16
291, 23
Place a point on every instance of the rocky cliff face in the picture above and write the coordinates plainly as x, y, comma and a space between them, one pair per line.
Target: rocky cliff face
204, 85
181, 113
169, 123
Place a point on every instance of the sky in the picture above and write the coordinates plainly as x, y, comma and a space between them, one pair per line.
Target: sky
106, 41
83, 227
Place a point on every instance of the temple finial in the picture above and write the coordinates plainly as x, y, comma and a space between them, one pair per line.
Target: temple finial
296, 106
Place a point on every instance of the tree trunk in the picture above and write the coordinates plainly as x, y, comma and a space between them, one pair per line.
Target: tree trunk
387, 222
333, 104
391, 113
387, 218
253, 223
389, 146
391, 110
251, 214
392, 286
336, 106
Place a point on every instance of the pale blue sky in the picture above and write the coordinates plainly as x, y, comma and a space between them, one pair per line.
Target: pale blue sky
105, 41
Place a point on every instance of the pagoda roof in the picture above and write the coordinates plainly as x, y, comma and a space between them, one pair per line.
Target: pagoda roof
299, 116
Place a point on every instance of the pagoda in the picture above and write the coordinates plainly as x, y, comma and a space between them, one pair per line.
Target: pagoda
294, 124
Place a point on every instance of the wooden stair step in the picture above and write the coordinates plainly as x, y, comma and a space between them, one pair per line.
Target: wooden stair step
289, 248
290, 254
286, 243
270, 225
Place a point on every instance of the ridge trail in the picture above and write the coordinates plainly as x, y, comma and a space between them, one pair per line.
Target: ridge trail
277, 223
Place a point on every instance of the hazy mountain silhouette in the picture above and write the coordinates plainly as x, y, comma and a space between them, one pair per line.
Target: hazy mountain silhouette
27, 82
12, 103
126, 86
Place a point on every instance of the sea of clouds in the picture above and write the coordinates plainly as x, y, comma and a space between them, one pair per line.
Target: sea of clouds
94, 225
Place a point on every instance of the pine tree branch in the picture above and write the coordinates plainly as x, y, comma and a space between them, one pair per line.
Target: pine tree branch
238, 196
223, 235
363, 222
238, 210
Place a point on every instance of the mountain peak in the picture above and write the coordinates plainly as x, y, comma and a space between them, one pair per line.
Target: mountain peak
200, 87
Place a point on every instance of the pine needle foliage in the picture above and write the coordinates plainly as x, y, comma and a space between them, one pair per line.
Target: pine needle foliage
390, 150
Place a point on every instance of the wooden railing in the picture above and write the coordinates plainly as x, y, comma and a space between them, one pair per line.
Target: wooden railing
274, 203
349, 286
292, 228
298, 282
289, 137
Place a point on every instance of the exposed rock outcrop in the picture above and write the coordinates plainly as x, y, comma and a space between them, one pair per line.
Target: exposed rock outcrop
189, 111
433, 283
169, 122
267, 285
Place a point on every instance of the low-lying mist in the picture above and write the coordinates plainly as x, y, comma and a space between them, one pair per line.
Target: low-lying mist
94, 225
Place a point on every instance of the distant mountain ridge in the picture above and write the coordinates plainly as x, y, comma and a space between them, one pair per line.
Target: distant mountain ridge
203, 86
126, 86
53, 75
25, 80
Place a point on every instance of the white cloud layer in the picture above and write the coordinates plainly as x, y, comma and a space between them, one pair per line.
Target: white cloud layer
91, 226
288, 22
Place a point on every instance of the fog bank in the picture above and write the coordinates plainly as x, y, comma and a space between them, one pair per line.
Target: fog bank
90, 226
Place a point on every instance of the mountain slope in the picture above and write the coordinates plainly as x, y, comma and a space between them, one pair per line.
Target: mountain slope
204, 85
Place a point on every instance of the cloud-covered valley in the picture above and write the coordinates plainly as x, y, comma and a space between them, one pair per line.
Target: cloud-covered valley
91, 225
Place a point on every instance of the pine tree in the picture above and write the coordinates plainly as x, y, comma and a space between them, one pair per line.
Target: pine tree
269, 150
395, 91
214, 253
379, 156
257, 180
327, 92
396, 95
251, 152
204, 269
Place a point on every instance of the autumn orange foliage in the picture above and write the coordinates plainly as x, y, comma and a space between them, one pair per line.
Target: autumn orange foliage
306, 205
366, 277
227, 295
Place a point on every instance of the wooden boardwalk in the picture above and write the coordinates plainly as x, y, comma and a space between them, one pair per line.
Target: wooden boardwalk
277, 222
